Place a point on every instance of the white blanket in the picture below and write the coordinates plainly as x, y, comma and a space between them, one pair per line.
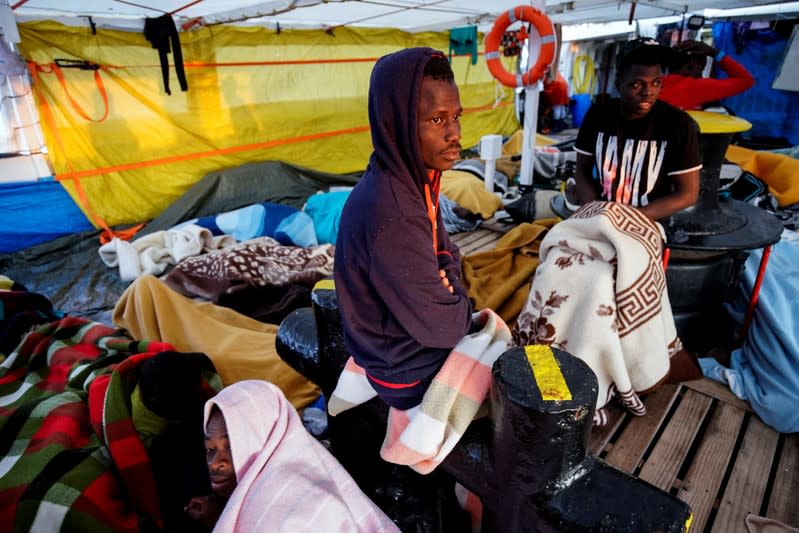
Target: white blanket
600, 294
152, 253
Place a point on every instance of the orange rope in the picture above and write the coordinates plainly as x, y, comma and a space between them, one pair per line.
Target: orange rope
201, 64
181, 8
72, 175
108, 233
77, 175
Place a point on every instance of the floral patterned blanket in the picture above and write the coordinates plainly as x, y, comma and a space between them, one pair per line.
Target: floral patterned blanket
257, 263
600, 294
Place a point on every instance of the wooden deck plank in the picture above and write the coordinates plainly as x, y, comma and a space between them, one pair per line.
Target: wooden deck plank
783, 503
601, 435
663, 464
633, 442
718, 391
464, 238
487, 245
486, 242
747, 484
706, 473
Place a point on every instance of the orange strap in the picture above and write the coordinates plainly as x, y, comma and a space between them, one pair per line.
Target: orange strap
97, 80
432, 207
107, 233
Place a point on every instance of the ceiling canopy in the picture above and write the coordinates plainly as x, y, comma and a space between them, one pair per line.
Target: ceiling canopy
407, 15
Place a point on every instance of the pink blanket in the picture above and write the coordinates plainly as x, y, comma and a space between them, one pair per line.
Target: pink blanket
287, 481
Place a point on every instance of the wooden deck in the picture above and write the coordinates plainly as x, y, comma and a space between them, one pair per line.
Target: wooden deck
698, 442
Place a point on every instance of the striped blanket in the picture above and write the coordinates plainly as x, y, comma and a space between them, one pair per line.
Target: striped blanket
72, 459
421, 437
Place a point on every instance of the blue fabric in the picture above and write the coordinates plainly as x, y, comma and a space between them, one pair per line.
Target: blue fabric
297, 228
36, 212
452, 221
288, 225
771, 112
766, 367
325, 211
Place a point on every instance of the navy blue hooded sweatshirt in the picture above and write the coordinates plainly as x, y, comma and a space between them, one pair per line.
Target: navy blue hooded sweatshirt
400, 322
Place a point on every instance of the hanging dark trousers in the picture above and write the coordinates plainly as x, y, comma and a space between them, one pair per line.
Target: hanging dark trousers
160, 31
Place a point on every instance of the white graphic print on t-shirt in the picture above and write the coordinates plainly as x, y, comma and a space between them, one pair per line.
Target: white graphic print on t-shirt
638, 172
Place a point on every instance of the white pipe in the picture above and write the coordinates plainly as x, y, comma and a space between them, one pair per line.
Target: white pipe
530, 108
491, 165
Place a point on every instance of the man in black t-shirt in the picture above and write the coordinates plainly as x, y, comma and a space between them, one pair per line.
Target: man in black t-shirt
636, 149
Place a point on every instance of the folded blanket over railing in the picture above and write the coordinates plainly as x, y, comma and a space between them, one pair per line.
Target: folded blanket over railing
421, 437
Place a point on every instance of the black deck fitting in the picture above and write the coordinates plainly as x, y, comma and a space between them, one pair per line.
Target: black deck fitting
528, 461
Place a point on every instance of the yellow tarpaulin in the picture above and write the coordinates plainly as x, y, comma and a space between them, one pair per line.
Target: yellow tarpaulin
254, 95
778, 171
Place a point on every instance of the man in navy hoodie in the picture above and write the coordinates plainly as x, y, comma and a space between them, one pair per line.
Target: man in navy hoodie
397, 274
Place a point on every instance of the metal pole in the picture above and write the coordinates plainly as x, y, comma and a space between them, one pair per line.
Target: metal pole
530, 108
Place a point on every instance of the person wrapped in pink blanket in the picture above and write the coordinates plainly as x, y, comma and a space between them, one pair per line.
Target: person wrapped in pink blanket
269, 474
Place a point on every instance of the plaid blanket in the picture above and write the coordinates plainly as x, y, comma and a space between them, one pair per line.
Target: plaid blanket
71, 457
421, 437
20, 311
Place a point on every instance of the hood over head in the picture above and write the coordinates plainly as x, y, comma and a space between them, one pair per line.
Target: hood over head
281, 470
253, 415
394, 90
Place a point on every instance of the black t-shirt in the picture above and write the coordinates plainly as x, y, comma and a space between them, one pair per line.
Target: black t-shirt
635, 157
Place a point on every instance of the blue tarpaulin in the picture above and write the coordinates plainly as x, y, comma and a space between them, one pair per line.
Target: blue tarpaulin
35, 212
772, 112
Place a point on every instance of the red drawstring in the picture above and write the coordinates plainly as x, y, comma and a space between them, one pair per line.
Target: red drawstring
432, 208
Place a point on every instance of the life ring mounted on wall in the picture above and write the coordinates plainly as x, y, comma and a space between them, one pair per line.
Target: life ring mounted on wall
546, 54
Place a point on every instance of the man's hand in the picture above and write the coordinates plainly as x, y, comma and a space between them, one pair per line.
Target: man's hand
445, 281
696, 48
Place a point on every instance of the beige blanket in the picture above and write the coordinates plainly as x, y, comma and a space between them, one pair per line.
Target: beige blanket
153, 253
499, 279
240, 347
600, 294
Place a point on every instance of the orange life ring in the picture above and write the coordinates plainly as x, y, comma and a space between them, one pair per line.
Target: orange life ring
546, 55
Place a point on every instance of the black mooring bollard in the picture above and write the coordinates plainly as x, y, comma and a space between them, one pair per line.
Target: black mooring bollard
542, 402
311, 340
528, 462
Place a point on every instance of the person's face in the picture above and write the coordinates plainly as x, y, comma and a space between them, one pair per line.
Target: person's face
439, 127
639, 87
218, 457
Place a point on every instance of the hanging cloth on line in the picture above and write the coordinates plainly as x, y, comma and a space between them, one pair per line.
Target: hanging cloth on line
463, 41
160, 32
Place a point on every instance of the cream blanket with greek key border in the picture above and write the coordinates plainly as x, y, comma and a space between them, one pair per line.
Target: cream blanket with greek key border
600, 294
